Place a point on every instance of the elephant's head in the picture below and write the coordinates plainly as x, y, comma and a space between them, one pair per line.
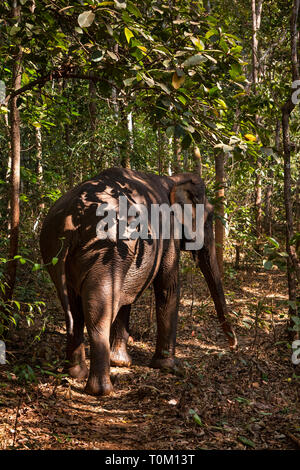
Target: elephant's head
190, 189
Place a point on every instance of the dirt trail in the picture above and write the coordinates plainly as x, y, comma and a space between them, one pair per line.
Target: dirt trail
224, 400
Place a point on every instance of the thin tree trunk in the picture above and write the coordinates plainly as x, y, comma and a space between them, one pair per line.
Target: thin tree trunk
269, 191
15, 168
8, 171
219, 227
198, 161
125, 145
69, 153
130, 131
160, 151
38, 140
256, 21
176, 155
297, 213
93, 122
293, 264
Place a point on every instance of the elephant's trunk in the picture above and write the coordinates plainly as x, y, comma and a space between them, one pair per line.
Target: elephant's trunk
207, 262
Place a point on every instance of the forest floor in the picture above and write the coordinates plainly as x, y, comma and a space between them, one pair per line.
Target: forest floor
248, 399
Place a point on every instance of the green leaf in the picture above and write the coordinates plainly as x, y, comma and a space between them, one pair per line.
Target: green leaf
267, 264
97, 56
14, 30
196, 417
273, 242
198, 43
129, 81
221, 103
86, 18
194, 60
150, 82
246, 441
235, 71
129, 34
54, 261
170, 131
163, 87
186, 142
17, 304
134, 10
36, 267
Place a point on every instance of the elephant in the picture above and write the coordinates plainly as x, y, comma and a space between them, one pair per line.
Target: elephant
97, 279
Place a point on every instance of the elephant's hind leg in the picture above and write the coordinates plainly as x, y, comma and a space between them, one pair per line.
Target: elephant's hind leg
98, 313
76, 365
118, 338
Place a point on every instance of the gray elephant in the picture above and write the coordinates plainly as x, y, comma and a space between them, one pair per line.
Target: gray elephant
97, 278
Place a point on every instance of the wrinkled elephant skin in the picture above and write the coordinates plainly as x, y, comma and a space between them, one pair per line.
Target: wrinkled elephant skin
97, 280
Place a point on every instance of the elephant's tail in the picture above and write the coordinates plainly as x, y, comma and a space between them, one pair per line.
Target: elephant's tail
65, 297
58, 275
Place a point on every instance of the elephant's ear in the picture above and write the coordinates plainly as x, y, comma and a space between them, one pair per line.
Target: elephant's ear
208, 210
184, 193
189, 192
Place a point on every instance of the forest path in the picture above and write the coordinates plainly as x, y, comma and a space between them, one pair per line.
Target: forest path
224, 400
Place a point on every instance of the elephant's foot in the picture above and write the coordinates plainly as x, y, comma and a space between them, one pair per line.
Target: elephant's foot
169, 364
120, 357
163, 363
78, 371
95, 386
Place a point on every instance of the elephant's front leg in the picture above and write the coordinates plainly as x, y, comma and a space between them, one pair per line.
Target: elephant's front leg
118, 338
98, 316
166, 287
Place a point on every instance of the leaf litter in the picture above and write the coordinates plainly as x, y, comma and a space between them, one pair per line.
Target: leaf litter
247, 399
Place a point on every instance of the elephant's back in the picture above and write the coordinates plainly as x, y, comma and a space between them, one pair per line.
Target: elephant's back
74, 215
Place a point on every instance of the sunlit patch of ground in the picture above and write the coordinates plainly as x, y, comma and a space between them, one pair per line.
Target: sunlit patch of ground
248, 399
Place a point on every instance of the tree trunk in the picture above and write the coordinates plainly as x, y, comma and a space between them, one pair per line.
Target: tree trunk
219, 227
198, 161
93, 122
15, 169
160, 151
125, 144
269, 191
293, 264
8, 171
38, 140
176, 155
256, 21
